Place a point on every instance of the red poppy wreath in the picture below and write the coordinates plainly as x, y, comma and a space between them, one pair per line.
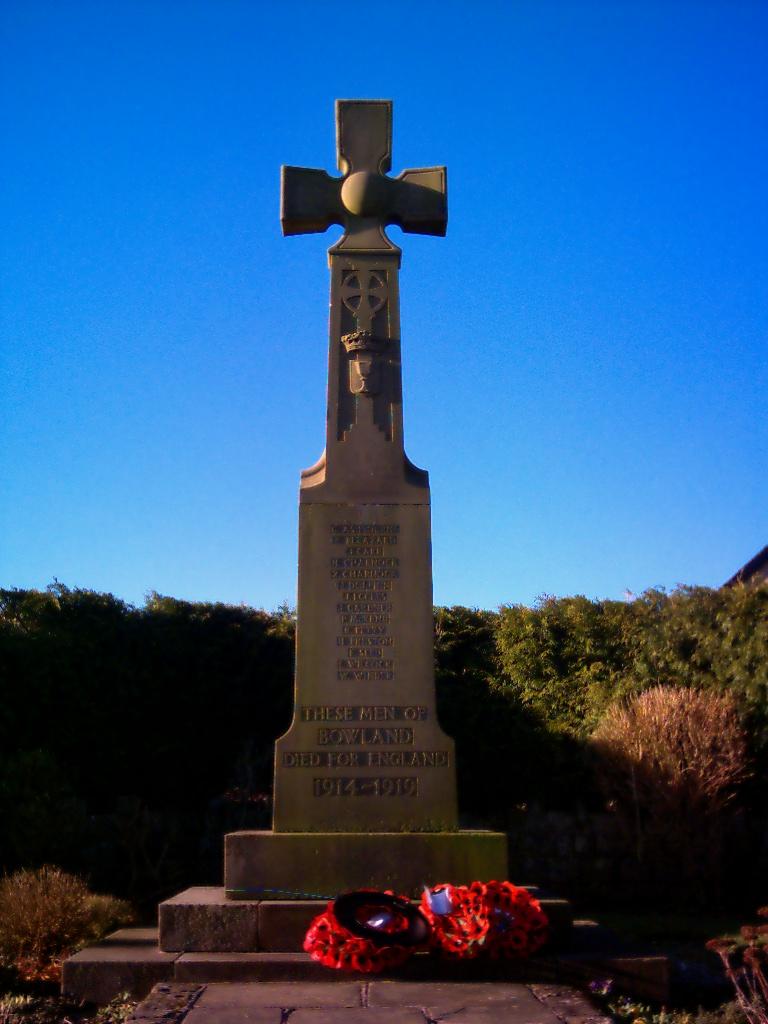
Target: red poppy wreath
369, 931
494, 919
366, 931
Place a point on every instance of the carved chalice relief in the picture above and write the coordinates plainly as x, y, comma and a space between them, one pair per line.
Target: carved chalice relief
364, 293
365, 350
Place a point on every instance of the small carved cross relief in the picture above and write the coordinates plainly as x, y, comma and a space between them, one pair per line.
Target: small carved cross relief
364, 292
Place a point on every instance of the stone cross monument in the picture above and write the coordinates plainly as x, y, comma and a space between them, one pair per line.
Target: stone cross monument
365, 781
365, 752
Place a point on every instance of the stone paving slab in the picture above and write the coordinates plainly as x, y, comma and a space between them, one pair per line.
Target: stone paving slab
381, 1016
366, 1002
449, 997
167, 1003
239, 1015
498, 1013
282, 994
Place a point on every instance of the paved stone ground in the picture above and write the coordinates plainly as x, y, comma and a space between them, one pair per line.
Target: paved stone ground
366, 1002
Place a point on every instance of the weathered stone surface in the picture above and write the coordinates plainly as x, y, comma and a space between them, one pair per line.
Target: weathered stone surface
226, 967
450, 997
167, 1003
331, 863
499, 1013
236, 1015
404, 1015
126, 961
369, 1002
568, 1004
284, 923
365, 752
277, 993
202, 919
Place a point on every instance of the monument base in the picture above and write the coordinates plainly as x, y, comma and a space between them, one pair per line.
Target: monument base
312, 865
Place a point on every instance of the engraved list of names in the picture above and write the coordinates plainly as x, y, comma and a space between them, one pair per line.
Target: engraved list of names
365, 570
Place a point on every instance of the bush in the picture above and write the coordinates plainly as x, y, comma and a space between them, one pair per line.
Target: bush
13, 1009
118, 1011
565, 657
46, 914
671, 760
569, 658
626, 1010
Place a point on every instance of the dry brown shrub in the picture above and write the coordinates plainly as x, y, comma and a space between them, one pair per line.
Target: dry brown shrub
45, 914
671, 761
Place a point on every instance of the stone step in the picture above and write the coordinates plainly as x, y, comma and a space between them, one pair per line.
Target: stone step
203, 920
130, 961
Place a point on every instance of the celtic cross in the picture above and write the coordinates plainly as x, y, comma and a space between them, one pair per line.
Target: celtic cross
364, 200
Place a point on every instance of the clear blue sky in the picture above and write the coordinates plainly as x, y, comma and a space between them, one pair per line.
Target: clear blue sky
585, 353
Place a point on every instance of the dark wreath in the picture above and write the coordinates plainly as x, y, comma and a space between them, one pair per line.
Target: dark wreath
345, 909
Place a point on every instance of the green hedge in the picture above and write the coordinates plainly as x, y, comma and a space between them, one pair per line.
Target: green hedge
122, 729
132, 738
155, 700
505, 751
567, 658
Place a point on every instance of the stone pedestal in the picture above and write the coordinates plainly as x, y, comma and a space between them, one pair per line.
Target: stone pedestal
275, 865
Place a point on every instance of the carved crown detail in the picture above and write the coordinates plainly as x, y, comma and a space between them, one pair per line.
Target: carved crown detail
363, 341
